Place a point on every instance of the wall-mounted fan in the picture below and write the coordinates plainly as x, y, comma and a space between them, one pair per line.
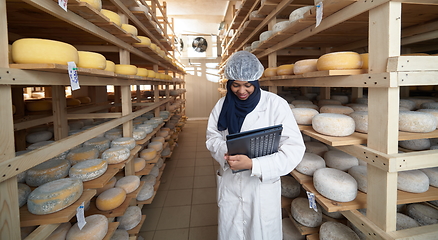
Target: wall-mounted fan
199, 44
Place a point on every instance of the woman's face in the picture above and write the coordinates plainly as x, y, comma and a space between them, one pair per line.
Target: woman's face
242, 89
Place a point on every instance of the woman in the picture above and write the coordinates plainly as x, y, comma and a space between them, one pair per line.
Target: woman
250, 201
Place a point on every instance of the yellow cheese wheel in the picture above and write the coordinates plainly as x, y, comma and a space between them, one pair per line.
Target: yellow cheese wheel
110, 199
95, 229
84, 100
82, 153
40, 105
151, 74
96, 4
110, 184
139, 164
145, 41
125, 69
287, 69
34, 50
270, 72
47, 171
113, 17
153, 46
128, 183
73, 102
148, 154
364, 57
91, 60
60, 232
339, 61
305, 66
130, 29
143, 72
110, 66
54, 196
88, 170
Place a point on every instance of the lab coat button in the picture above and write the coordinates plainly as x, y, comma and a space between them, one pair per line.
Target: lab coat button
244, 222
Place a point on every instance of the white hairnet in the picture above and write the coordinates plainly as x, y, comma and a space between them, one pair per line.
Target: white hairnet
243, 66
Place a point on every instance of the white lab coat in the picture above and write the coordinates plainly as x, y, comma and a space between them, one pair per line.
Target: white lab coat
250, 201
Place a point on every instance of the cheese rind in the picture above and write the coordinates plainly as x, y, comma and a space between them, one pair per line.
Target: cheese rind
130, 219
318, 148
301, 212
148, 154
101, 143
47, 171
287, 69
110, 199
420, 122
95, 229
339, 109
290, 187
147, 191
89, 169
116, 155
360, 121
405, 222
414, 181
270, 72
339, 61
340, 160
310, 163
91, 60
139, 164
127, 142
125, 69
113, 17
128, 183
336, 230
130, 29
432, 174
333, 124
120, 234
423, 214
415, 144
359, 173
82, 153
335, 184
305, 66
39, 136
110, 66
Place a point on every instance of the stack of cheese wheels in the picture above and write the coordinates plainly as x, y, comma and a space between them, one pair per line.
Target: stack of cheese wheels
38, 105
116, 155
145, 41
114, 133
148, 154
91, 60
306, 216
317, 148
414, 181
339, 61
139, 164
54, 196
290, 187
101, 143
130, 29
60, 232
96, 4
130, 219
47, 171
287, 69
127, 142
420, 122
125, 69
336, 230
142, 72
340, 160
110, 184
128, 183
39, 136
305, 66
89, 169
333, 124
310, 163
335, 184
113, 17
359, 173
82, 154
110, 199
95, 229
270, 72
23, 193
110, 66
34, 50
360, 121
304, 115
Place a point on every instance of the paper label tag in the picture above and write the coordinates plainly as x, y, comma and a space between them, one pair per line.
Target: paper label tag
73, 74
312, 202
80, 216
319, 11
63, 4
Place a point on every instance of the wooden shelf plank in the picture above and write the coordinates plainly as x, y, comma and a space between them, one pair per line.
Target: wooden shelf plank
112, 227
137, 228
28, 219
102, 180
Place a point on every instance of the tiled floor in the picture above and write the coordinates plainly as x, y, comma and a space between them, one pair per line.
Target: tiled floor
185, 205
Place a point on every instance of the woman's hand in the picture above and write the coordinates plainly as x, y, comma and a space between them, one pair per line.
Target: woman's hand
239, 162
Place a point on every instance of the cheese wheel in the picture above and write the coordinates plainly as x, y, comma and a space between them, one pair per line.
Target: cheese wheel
154, 47
39, 136
158, 146
95, 229
128, 183
312, 106
364, 57
339, 109
110, 199
265, 35
47, 171
414, 181
40, 105
335, 184
148, 154
143, 72
110, 66
162, 133
114, 133
139, 164
155, 171
127, 142
113, 17
363, 100
290, 232
420, 101
34, 50
360, 121
298, 13
336, 231
415, 144
110, 184
432, 174
147, 191
287, 69
73, 102
82, 154
151, 73
305, 66
423, 214
405, 222
333, 124
54, 196
101, 143
358, 107
138, 134
318, 148
323, 102
335, 215
166, 151
130, 29
420, 122
340, 160
339, 61
306, 216
149, 180
270, 72
116, 155
91, 60
130, 219
310, 163
158, 139
89, 169
280, 26
145, 41
120, 234
343, 99
290, 187
125, 69
359, 173
23, 193
60, 232
409, 104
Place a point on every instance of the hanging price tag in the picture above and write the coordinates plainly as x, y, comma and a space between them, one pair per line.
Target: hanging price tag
319, 11
80, 216
63, 4
73, 74
312, 202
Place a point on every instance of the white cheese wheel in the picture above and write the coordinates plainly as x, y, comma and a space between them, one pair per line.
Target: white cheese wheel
145, 41
101, 143
429, 105
414, 181
130, 219
423, 214
419, 101
60, 232
298, 13
333, 124
406, 103
432, 174
339, 61
415, 144
405, 222
149, 180
360, 121
47, 171
147, 191
156, 145
310, 163
336, 231
110, 184
113, 17
95, 229
160, 163
110, 199
305, 66
116, 155
39, 136
323, 102
155, 171
166, 151
343, 99
33, 50
335, 215
125, 69
82, 154
359, 173
130, 29
318, 148
339, 109
265, 35
148, 154
358, 107
23, 193
91, 60
340, 160
255, 14
148, 128
290, 187
335, 184
255, 45
139, 164
287, 69
114, 133
89, 169
280, 26
434, 112
127, 142
96, 4
420, 122
120, 234
110, 66
306, 216
54, 196
128, 183
312, 106
290, 232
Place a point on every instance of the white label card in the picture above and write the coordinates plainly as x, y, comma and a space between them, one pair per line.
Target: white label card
319, 11
312, 202
73, 74
80, 216
63, 4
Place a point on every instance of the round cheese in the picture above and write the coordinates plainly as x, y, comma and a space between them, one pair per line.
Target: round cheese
23, 193
47, 171
110, 66
280, 26
114, 133
60, 232
148, 154
91, 60
405, 222
339, 61
290, 232
33, 50
120, 234
335, 184
265, 35
40, 105
305, 66
306, 216
358, 107
255, 45
89, 169
310, 163
420, 122
54, 196
138, 134
125, 69
359, 173
360, 121
160, 163
95, 229
335, 215
339, 109
113, 17
151, 73
116, 155
158, 139
148, 128
287, 69
166, 151
419, 101
423, 214
101, 143
130, 29
139, 164
364, 57
149, 180
162, 133
39, 136
96, 4
298, 13
333, 124
110, 199
290, 188
270, 72
128, 183
340, 160
82, 154
336, 231
156, 145
155, 171
312, 106
130, 219
343, 99
406, 103
414, 181
415, 144
127, 142
73, 102
84, 100
147, 191
143, 72
432, 174
323, 102
110, 184
318, 148
145, 41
